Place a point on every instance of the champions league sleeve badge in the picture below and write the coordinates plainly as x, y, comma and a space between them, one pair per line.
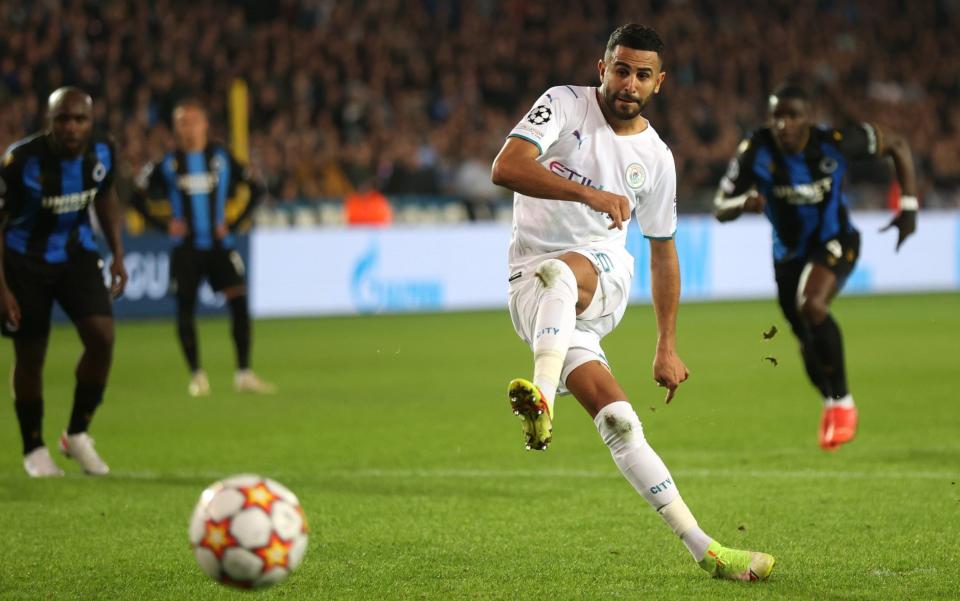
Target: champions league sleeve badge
540, 114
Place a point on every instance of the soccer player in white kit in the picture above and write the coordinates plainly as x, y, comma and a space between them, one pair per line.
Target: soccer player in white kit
580, 163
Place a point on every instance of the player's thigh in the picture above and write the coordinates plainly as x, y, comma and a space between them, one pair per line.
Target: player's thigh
788, 282
612, 291
81, 290
32, 285
838, 257
585, 272
227, 272
187, 267
594, 386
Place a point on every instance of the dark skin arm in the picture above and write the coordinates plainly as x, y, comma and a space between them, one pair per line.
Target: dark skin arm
516, 168
897, 148
108, 213
9, 307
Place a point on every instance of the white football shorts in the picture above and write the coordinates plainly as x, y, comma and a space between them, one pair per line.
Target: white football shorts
599, 319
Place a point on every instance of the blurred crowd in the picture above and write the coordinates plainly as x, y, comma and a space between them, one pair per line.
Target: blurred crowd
416, 96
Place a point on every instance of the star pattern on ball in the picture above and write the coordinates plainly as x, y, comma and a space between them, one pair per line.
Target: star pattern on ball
275, 554
258, 495
540, 115
216, 537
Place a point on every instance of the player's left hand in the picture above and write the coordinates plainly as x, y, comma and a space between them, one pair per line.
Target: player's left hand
906, 224
118, 277
669, 371
221, 231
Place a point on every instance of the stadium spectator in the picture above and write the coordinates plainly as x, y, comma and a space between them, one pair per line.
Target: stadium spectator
387, 75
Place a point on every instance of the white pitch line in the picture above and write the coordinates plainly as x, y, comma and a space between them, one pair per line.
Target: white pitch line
510, 474
605, 474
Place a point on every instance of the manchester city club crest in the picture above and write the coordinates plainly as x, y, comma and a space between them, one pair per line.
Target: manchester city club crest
828, 165
636, 175
540, 114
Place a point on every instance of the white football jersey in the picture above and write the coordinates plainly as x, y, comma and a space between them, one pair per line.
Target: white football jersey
577, 143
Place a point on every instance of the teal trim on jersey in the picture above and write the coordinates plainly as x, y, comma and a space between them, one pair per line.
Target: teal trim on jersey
659, 238
534, 142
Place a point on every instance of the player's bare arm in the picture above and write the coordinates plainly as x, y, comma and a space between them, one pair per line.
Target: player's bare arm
9, 308
108, 213
517, 169
897, 148
668, 369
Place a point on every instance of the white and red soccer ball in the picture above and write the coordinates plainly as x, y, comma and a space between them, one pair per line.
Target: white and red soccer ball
248, 531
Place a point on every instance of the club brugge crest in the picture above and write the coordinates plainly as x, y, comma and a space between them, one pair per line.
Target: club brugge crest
540, 114
636, 175
99, 172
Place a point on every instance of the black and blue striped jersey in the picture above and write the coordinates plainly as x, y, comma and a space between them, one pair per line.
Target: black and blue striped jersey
197, 186
804, 191
47, 197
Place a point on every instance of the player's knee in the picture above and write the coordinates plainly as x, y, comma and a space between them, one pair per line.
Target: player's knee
619, 426
100, 341
557, 275
813, 310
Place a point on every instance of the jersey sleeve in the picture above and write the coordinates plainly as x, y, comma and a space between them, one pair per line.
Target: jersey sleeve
109, 158
543, 123
739, 178
859, 141
657, 214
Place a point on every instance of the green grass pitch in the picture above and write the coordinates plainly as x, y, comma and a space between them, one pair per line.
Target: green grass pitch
396, 434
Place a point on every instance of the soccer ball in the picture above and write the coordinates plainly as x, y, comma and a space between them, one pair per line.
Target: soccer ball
248, 531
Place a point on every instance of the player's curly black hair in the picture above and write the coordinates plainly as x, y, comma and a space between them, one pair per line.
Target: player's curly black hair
636, 36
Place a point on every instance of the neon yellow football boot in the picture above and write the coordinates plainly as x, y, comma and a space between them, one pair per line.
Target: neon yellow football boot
528, 403
734, 564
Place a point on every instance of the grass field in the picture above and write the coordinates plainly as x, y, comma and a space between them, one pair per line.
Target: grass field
396, 434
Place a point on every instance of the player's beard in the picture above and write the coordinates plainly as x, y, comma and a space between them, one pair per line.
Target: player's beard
625, 111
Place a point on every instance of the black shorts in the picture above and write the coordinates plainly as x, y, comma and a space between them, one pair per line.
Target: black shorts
839, 255
77, 285
223, 268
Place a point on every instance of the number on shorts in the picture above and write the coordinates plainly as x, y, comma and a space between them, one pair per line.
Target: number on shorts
603, 261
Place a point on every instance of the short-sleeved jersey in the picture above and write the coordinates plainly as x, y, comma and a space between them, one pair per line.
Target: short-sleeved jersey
576, 143
805, 200
47, 197
197, 185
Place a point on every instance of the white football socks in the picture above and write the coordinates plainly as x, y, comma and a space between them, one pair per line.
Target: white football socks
622, 432
845, 402
556, 318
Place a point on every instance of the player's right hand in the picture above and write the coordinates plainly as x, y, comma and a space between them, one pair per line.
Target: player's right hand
177, 228
754, 202
9, 309
616, 207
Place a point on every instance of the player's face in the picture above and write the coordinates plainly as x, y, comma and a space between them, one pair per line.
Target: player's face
628, 79
790, 121
190, 126
71, 122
